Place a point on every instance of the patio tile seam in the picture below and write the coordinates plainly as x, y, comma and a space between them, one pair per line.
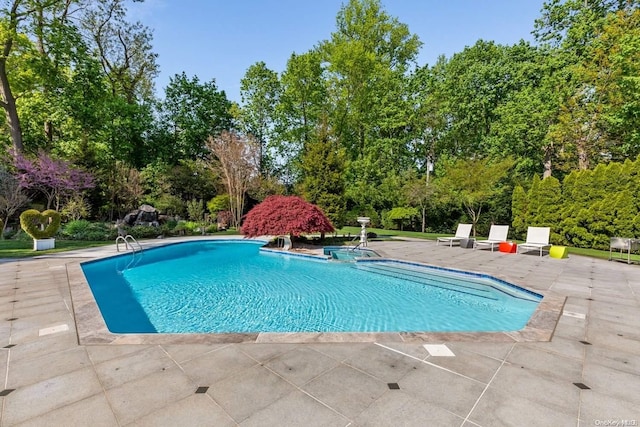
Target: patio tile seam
6, 375
544, 404
426, 362
263, 362
361, 371
32, 360
223, 346
273, 371
57, 408
194, 384
556, 353
487, 387
147, 375
300, 389
104, 390
206, 395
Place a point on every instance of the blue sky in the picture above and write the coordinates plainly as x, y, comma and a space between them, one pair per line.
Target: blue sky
220, 39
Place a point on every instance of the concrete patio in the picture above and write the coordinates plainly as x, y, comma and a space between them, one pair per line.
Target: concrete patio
587, 374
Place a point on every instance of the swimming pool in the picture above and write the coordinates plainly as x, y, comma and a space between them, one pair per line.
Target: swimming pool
234, 287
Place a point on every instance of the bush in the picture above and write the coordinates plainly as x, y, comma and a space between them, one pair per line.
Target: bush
144, 231
31, 221
218, 203
77, 227
22, 236
169, 204
89, 231
351, 217
399, 216
10, 233
195, 210
76, 208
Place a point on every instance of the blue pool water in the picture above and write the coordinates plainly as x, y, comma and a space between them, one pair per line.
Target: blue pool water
233, 286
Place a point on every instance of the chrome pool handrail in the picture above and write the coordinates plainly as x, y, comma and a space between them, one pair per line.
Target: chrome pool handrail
128, 240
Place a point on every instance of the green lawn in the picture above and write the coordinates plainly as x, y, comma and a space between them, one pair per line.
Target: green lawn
24, 249
382, 234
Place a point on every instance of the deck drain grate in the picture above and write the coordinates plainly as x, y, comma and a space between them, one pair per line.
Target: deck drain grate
585, 342
582, 386
6, 391
393, 386
9, 346
201, 390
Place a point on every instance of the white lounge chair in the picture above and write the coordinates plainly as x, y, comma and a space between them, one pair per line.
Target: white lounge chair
497, 235
537, 238
462, 232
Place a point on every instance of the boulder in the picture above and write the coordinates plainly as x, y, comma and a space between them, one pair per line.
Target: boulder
144, 215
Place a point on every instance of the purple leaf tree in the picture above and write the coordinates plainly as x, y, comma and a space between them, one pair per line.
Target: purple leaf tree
56, 179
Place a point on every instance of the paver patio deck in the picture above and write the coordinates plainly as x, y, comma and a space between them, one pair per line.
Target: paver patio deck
50, 379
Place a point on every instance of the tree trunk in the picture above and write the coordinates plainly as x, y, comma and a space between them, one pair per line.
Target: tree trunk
547, 163
583, 157
8, 102
48, 131
4, 227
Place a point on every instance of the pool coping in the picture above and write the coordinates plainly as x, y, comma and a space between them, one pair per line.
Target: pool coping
92, 330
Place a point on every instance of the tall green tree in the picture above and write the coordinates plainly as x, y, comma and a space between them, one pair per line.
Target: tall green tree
572, 28
191, 113
45, 31
367, 60
612, 70
420, 193
473, 182
429, 115
323, 164
302, 103
479, 92
260, 91
129, 65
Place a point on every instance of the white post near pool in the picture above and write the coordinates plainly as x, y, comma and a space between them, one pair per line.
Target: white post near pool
363, 220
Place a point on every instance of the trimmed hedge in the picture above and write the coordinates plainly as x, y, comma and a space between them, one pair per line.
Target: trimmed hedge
31, 221
586, 209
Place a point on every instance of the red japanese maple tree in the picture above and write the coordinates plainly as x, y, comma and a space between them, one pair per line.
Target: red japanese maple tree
288, 215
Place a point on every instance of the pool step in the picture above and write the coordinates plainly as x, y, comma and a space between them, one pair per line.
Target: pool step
425, 278
350, 255
448, 279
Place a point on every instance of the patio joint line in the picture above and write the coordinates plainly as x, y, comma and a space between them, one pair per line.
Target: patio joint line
300, 389
430, 364
487, 386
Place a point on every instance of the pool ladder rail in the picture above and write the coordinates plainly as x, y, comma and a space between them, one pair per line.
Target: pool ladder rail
129, 242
